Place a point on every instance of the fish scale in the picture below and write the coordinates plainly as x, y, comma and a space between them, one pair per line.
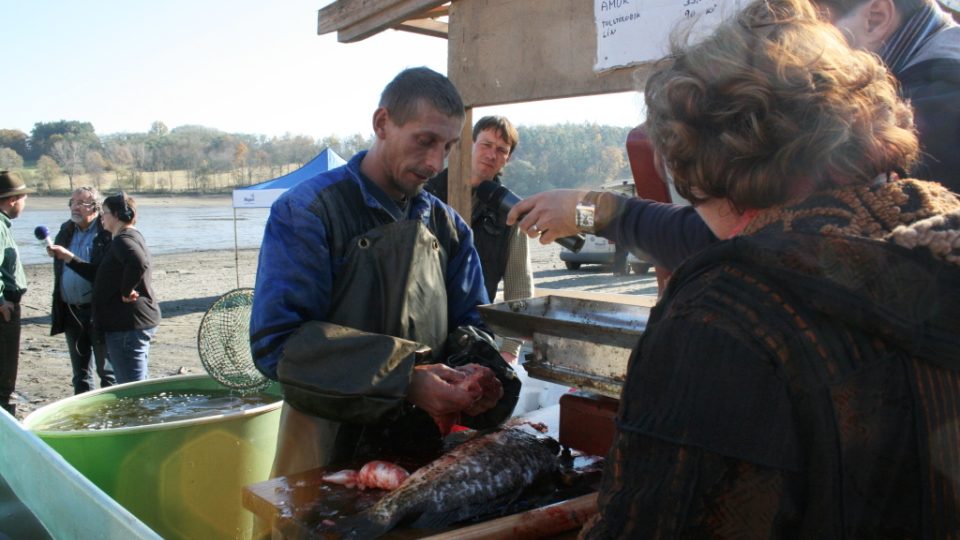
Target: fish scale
460, 484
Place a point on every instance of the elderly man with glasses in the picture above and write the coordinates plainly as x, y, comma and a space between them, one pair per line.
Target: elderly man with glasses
84, 235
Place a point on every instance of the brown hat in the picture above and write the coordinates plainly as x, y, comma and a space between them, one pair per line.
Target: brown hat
11, 184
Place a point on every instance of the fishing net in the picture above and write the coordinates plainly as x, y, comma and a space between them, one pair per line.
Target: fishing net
224, 342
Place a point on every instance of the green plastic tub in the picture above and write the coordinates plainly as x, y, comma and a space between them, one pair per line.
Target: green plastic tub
182, 478
43, 496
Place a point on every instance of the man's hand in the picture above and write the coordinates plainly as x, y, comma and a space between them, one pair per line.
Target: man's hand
6, 311
483, 379
548, 215
444, 392
60, 252
130, 298
433, 388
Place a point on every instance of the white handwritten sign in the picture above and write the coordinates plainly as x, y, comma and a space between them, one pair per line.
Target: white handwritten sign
634, 31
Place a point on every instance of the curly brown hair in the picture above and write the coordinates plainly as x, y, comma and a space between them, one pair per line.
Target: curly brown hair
772, 104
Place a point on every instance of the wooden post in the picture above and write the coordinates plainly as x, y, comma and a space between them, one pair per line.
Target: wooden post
458, 192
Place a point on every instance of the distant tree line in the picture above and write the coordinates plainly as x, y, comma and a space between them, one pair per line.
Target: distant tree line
566, 155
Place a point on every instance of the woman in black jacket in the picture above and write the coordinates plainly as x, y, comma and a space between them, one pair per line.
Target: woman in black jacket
801, 377
124, 303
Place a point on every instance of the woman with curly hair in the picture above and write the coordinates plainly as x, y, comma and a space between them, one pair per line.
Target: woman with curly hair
800, 378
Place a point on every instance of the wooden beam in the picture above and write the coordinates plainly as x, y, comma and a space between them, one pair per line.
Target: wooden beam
354, 20
426, 27
458, 170
439, 11
510, 51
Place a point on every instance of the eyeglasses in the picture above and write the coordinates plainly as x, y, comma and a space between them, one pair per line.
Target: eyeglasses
85, 204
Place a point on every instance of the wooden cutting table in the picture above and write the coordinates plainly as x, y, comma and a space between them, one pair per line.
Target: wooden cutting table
288, 506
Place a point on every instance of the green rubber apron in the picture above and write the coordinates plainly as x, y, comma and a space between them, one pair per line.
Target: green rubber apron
353, 369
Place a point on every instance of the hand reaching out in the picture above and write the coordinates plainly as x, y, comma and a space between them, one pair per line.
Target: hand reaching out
548, 215
60, 252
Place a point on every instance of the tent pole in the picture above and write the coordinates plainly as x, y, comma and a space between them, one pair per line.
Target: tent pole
236, 251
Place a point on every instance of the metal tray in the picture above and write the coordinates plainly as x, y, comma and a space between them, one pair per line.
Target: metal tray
576, 342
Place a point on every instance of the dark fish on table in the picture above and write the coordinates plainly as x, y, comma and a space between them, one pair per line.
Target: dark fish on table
475, 477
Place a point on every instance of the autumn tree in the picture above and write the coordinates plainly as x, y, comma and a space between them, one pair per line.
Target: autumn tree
119, 159
95, 165
10, 160
15, 140
240, 162
45, 134
47, 171
69, 153
158, 129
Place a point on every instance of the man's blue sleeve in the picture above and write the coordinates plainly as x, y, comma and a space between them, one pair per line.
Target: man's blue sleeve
294, 279
668, 233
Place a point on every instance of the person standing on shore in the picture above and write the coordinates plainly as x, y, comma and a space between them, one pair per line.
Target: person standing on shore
13, 284
124, 304
503, 249
72, 311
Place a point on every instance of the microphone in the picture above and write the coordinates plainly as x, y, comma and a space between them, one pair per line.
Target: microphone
43, 235
500, 198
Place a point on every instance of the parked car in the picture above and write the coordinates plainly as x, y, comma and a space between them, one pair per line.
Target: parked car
597, 250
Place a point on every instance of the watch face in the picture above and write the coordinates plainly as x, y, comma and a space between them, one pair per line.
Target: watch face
585, 217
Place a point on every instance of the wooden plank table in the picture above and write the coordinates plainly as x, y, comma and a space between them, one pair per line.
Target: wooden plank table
291, 506
286, 504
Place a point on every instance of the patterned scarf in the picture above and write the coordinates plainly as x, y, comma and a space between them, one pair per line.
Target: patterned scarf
898, 51
911, 213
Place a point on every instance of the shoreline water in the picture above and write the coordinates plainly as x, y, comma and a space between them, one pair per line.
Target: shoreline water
58, 202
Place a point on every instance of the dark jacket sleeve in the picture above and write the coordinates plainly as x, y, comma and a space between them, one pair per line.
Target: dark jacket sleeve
705, 445
667, 233
933, 88
58, 308
134, 261
344, 374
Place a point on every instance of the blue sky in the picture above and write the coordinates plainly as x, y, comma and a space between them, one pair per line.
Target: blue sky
241, 66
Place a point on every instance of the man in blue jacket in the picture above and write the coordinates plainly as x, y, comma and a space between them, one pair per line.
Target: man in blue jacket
362, 276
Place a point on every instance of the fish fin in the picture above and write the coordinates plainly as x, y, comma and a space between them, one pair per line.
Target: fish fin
360, 526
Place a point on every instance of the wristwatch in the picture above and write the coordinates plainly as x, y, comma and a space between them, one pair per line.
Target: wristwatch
586, 213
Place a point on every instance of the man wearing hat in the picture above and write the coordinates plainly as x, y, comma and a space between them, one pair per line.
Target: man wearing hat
13, 283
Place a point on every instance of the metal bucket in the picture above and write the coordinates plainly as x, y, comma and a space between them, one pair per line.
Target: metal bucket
182, 478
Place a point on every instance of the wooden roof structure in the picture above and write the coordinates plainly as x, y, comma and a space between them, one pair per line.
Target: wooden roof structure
498, 52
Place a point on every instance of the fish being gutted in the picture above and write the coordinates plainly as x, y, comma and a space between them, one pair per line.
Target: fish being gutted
472, 479
482, 385
375, 474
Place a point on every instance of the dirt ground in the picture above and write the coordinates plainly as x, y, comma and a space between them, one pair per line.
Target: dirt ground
188, 283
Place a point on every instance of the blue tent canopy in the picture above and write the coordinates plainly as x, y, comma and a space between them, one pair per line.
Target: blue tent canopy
263, 194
